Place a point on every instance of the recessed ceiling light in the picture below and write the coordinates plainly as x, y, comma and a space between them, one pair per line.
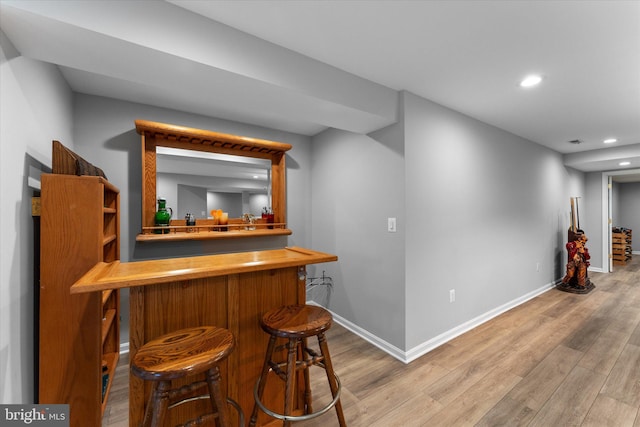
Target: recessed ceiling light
255, 177
624, 163
531, 80
610, 141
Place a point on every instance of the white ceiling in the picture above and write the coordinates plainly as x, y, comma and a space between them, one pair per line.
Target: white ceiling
304, 66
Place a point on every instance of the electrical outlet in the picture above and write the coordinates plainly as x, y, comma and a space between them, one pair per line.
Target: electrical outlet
391, 225
452, 295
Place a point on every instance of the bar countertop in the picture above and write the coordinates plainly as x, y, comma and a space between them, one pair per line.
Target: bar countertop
116, 275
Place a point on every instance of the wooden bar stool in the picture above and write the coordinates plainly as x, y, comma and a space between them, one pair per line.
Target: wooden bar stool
176, 355
296, 323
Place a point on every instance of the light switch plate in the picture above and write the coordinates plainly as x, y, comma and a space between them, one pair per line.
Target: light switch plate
391, 225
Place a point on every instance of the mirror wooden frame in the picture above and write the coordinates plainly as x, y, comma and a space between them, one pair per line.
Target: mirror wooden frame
154, 134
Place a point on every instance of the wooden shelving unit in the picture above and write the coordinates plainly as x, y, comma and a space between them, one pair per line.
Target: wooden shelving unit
621, 245
79, 337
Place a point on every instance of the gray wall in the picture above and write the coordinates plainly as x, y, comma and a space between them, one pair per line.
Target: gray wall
231, 203
358, 181
479, 210
191, 200
487, 217
36, 107
629, 211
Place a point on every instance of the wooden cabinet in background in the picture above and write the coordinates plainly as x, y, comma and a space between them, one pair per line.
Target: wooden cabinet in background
79, 338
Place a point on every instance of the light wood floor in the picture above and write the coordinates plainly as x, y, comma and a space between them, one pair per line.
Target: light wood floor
558, 360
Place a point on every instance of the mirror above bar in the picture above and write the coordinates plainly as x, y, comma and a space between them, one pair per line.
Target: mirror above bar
195, 182
155, 136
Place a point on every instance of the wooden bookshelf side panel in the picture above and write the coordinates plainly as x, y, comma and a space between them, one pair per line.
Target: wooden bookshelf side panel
70, 348
76, 212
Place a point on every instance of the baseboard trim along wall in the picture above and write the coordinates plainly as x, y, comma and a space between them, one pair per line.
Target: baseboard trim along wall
427, 346
368, 336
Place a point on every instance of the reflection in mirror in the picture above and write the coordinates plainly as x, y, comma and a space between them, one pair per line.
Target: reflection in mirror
197, 182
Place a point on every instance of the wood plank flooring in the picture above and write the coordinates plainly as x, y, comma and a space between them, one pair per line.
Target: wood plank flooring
558, 360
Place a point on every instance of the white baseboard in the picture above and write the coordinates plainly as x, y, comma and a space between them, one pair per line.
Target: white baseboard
367, 336
437, 341
427, 346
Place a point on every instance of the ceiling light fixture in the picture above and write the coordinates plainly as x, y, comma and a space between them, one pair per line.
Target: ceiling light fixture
531, 80
610, 141
624, 163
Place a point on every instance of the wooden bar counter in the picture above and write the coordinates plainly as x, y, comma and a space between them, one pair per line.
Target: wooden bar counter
227, 290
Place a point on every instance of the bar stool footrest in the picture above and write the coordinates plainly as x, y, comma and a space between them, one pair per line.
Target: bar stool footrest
202, 418
299, 417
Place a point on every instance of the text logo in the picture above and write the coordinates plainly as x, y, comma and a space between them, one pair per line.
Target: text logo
34, 415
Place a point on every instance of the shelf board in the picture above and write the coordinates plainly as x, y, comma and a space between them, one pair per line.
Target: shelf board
210, 235
105, 295
112, 362
109, 239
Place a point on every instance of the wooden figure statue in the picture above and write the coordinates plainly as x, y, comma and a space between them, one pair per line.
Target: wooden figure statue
576, 279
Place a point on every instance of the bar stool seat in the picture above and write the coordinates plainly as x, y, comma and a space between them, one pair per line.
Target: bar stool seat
179, 354
296, 323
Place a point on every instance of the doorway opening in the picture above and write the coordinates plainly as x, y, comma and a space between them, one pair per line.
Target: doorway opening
608, 214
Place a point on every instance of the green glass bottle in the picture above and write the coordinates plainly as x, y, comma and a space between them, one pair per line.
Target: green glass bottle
163, 216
